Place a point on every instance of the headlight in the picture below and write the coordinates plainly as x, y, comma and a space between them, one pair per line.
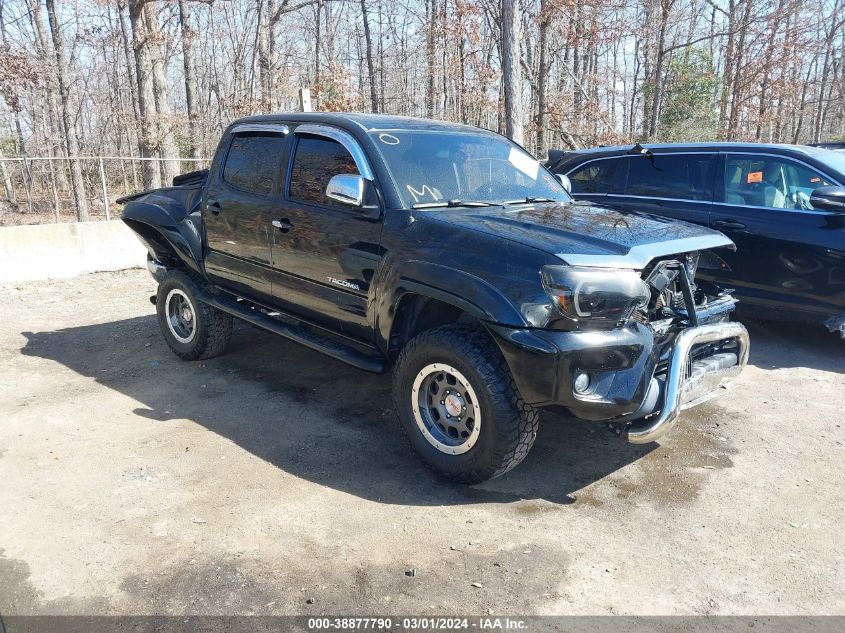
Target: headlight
595, 297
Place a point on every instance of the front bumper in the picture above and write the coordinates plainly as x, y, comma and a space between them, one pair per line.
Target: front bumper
635, 378
690, 383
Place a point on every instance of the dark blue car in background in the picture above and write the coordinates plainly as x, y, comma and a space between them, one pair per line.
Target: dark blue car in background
782, 205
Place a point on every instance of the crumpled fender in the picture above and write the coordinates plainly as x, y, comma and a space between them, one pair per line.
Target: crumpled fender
169, 224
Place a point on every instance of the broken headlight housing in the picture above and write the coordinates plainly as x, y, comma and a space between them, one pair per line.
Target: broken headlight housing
595, 298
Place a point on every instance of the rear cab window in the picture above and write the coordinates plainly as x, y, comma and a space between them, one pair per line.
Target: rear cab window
253, 161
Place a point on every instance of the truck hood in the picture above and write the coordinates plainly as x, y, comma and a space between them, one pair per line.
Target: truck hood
582, 234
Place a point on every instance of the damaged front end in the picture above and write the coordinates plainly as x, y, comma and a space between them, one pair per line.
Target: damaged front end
631, 347
696, 346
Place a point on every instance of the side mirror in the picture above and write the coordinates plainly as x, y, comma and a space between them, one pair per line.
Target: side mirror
346, 189
564, 180
829, 199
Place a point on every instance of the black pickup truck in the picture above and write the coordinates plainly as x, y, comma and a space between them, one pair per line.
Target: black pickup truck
452, 256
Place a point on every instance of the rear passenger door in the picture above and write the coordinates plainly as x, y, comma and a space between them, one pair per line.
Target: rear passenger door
675, 185
240, 201
788, 253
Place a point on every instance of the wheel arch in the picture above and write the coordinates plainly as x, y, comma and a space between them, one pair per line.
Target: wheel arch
416, 311
423, 286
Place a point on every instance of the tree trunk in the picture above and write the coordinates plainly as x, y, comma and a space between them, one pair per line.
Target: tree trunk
316, 95
767, 68
166, 138
190, 77
7, 182
53, 136
430, 51
370, 68
543, 66
266, 48
727, 74
511, 70
830, 35
62, 72
151, 174
659, 62
733, 117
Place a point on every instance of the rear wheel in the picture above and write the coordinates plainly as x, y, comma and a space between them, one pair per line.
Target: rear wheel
192, 329
458, 405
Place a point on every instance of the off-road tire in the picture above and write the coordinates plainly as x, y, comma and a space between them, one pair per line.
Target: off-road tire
213, 327
508, 424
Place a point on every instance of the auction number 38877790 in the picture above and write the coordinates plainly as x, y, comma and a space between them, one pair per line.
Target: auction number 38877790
388, 624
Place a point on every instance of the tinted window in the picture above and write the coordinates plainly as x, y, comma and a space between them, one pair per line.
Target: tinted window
768, 181
681, 176
253, 161
601, 176
317, 159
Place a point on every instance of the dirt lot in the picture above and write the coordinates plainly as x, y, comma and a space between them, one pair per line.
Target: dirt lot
272, 480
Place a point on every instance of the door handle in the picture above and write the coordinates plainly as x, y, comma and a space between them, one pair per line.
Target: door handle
729, 224
283, 225
214, 207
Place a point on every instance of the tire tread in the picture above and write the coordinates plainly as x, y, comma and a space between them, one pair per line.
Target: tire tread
212, 339
517, 421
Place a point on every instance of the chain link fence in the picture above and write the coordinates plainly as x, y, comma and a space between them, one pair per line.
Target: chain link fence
36, 189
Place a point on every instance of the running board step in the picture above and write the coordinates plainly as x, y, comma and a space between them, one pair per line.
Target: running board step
297, 333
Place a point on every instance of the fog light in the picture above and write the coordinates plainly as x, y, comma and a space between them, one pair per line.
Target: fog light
582, 383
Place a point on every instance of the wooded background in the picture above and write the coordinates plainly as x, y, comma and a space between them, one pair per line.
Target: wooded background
162, 78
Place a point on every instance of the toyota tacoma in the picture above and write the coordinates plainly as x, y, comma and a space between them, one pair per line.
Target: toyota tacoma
452, 257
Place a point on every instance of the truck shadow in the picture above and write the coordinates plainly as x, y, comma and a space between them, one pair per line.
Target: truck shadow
315, 417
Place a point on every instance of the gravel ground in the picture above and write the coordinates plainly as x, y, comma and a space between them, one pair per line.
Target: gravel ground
272, 480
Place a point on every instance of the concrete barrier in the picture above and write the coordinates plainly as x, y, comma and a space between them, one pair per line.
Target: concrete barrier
45, 251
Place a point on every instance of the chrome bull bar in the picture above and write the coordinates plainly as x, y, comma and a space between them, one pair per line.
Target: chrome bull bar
680, 392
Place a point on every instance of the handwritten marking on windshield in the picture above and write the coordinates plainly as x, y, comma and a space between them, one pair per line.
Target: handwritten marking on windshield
425, 191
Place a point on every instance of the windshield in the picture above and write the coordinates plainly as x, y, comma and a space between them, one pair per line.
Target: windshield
834, 159
432, 167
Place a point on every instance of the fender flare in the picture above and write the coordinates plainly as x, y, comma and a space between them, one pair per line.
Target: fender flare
460, 289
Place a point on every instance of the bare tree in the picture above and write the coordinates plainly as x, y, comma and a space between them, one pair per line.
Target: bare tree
77, 183
166, 138
370, 68
139, 80
148, 142
190, 76
511, 27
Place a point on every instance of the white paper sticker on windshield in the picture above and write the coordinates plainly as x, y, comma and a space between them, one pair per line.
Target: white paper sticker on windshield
524, 163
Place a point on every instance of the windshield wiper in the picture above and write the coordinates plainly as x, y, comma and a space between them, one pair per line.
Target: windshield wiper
453, 203
529, 200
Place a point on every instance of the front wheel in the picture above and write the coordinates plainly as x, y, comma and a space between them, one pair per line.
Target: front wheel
192, 329
458, 405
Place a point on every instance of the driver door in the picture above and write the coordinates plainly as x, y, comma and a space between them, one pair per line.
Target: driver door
325, 253
788, 253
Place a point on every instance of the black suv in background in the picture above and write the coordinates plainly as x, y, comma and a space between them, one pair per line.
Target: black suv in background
782, 205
